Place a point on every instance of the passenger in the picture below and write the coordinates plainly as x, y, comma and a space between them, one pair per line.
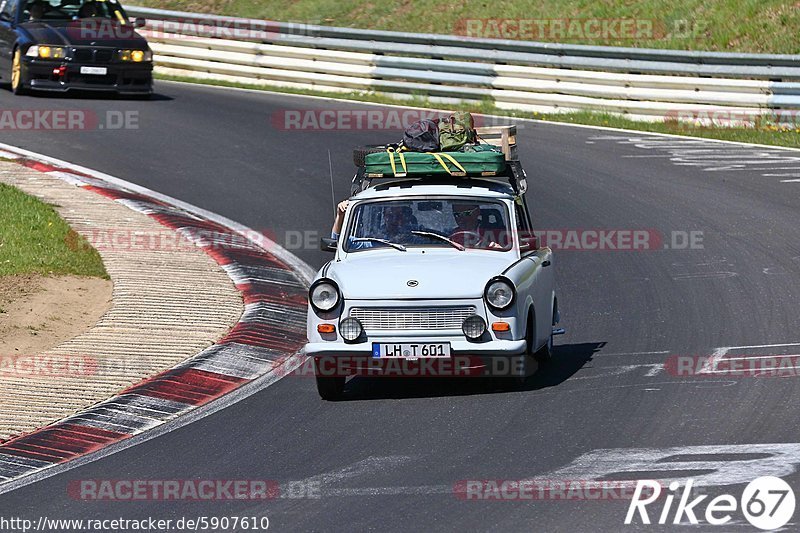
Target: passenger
37, 10
398, 223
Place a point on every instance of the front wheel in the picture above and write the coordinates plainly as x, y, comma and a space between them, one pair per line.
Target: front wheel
545, 353
17, 85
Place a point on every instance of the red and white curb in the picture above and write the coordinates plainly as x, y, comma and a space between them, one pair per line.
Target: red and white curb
265, 340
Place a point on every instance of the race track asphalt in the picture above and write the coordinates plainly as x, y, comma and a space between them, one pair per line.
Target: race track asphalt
388, 456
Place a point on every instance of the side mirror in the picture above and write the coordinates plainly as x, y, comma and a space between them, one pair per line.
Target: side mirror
528, 242
327, 244
139, 23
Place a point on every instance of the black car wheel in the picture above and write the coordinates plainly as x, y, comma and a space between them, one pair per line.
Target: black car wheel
545, 353
17, 85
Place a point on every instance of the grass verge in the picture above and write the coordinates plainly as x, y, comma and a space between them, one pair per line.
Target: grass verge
35, 240
760, 26
767, 134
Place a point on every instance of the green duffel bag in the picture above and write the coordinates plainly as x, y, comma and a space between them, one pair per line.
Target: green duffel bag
476, 160
456, 131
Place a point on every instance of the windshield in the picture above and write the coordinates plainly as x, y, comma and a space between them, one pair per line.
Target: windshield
458, 223
50, 10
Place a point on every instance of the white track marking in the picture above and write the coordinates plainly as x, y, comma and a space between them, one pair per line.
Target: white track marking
727, 372
709, 365
713, 157
782, 345
633, 353
597, 465
712, 362
751, 357
782, 460
367, 466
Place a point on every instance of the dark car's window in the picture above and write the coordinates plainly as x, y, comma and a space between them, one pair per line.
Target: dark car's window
72, 10
473, 223
8, 9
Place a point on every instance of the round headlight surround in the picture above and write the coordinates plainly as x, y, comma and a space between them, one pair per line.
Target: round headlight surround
317, 298
473, 327
350, 329
491, 294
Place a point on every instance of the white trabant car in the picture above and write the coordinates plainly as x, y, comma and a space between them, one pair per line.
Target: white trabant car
433, 269
461, 276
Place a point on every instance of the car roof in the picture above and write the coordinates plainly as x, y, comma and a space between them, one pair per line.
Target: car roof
430, 187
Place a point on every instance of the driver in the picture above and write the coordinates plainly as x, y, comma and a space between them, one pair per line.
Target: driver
90, 9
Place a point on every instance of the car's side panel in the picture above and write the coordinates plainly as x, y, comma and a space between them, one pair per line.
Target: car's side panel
544, 294
8, 35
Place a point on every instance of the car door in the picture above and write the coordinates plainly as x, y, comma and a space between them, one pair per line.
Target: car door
540, 261
8, 35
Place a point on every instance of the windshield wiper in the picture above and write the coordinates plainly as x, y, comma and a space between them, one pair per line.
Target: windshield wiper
453, 243
382, 241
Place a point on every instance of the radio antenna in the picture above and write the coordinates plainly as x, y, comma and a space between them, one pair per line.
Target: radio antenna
333, 196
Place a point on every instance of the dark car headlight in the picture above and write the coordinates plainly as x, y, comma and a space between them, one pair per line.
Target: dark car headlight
135, 56
499, 293
323, 295
46, 52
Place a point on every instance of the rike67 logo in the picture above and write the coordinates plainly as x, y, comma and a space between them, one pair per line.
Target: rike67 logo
767, 503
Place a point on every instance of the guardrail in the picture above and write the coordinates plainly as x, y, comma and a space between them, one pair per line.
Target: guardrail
643, 84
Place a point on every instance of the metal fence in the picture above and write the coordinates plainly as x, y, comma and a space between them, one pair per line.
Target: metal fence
642, 84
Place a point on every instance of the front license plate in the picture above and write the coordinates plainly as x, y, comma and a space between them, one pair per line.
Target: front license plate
410, 351
99, 71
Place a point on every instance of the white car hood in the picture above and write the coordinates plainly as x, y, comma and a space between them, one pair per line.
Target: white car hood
385, 274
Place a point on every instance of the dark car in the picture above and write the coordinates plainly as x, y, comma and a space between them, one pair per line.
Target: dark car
59, 45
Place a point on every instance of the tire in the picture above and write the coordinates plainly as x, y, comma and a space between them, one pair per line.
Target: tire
545, 353
17, 85
515, 382
330, 388
360, 153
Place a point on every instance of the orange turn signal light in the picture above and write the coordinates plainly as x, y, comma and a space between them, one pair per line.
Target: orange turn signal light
501, 326
326, 328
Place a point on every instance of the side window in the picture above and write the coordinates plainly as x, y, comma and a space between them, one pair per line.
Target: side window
527, 240
8, 9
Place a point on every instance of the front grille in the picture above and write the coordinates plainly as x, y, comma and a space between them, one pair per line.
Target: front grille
84, 54
411, 318
103, 56
93, 55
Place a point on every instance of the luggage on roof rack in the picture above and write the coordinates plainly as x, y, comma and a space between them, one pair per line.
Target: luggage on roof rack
495, 155
475, 160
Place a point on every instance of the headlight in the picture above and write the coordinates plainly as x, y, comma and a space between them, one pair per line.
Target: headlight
47, 52
136, 56
499, 293
473, 327
350, 329
324, 295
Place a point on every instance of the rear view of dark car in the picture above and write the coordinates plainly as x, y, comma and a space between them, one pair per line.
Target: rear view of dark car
59, 45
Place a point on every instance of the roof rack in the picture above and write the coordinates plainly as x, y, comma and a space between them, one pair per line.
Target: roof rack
504, 137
